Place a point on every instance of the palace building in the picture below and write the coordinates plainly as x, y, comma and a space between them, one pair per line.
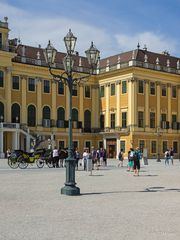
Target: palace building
132, 100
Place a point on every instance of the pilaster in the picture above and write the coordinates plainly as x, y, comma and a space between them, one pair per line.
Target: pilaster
23, 99
8, 85
81, 103
118, 87
158, 90
107, 114
147, 116
95, 106
178, 116
54, 107
169, 117
39, 101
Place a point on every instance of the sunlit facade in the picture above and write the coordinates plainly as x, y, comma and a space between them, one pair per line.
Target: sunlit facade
133, 99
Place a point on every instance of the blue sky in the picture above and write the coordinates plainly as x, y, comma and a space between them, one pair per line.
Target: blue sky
115, 26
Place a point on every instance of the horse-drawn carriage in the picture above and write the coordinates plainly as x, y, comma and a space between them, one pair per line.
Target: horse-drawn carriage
21, 159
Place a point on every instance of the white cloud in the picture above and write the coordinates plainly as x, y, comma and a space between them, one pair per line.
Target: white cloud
154, 42
34, 30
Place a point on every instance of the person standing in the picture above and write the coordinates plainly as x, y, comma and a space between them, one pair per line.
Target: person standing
136, 160
130, 160
85, 157
55, 157
172, 155
121, 158
77, 157
166, 156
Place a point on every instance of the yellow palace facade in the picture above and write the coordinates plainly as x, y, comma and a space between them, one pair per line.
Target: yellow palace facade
132, 100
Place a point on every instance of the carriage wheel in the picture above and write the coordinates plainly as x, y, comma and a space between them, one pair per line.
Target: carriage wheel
13, 163
40, 163
22, 163
50, 163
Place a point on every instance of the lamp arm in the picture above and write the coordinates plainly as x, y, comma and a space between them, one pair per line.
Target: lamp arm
60, 77
78, 79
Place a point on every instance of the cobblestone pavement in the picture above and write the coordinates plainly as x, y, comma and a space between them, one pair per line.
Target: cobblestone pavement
113, 204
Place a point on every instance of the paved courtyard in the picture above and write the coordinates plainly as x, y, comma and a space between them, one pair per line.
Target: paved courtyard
113, 204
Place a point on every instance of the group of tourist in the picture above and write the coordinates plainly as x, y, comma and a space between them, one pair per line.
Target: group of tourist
134, 157
96, 156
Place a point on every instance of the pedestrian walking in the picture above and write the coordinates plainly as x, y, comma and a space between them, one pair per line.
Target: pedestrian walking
85, 157
55, 157
120, 158
172, 155
166, 156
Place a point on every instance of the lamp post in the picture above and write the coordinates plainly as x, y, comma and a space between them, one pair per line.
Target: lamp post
68, 78
158, 135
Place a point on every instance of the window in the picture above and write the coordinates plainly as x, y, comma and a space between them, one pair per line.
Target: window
163, 90
124, 119
87, 92
102, 121
61, 144
123, 145
152, 119
100, 144
46, 112
112, 120
141, 119
163, 117
87, 120
124, 87
141, 86
1, 79
74, 114
141, 145
15, 111
112, 89
46, 86
175, 147
74, 90
60, 88
153, 147
60, 114
174, 94
75, 144
101, 91
1, 112
152, 88
88, 145
31, 115
174, 118
15, 82
164, 146
31, 84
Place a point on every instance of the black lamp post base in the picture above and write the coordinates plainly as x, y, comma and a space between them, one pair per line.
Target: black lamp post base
70, 190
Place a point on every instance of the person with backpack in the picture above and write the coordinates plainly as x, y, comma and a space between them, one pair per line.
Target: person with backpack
121, 158
136, 160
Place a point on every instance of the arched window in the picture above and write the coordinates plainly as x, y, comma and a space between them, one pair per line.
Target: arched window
60, 114
87, 120
46, 112
15, 113
1, 112
74, 114
31, 115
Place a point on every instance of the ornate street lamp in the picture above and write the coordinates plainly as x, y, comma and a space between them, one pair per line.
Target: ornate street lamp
67, 78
